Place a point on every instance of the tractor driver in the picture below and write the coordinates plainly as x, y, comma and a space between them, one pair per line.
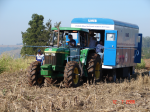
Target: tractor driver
40, 57
72, 42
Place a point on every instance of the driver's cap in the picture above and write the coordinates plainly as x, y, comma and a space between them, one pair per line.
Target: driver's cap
39, 50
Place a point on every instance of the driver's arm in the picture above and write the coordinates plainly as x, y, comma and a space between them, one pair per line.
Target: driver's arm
71, 44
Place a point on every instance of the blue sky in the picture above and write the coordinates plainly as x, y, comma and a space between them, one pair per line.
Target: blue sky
15, 14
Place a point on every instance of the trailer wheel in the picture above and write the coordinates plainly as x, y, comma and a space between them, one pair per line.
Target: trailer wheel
129, 75
33, 74
72, 74
49, 81
112, 76
94, 68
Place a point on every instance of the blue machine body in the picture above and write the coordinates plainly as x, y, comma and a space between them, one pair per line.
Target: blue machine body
122, 41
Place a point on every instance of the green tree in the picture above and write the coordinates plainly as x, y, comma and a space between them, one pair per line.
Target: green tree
146, 47
146, 42
47, 34
36, 35
57, 25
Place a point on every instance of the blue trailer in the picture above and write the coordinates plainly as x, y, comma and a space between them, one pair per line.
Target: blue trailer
122, 44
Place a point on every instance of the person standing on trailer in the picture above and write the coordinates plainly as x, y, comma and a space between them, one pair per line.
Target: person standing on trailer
40, 57
100, 48
92, 42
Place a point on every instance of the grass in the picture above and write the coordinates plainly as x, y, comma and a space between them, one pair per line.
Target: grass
141, 65
9, 64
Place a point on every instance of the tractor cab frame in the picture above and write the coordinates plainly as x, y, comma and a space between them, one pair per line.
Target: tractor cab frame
78, 34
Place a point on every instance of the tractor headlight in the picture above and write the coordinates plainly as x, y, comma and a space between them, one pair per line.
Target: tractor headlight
46, 54
52, 54
78, 44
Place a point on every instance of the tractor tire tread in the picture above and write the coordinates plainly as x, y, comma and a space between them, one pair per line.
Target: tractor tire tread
32, 73
68, 73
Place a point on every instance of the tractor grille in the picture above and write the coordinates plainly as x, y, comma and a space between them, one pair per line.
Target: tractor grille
58, 59
51, 59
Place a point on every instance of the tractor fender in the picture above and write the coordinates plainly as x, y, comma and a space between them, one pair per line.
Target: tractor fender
84, 54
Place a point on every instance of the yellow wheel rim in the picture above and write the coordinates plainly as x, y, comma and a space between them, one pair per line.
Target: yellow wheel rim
76, 76
40, 80
97, 70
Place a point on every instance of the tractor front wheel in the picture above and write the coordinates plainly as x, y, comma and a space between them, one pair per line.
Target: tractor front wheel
72, 74
33, 74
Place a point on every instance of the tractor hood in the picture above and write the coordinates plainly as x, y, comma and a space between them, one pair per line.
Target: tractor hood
57, 50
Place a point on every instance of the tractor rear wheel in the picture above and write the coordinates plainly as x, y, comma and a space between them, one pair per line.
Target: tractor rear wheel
94, 68
33, 74
72, 74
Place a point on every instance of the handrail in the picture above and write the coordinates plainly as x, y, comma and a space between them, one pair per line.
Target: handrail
37, 46
75, 56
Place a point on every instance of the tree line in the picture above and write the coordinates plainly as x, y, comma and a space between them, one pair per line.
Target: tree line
146, 42
37, 34
146, 47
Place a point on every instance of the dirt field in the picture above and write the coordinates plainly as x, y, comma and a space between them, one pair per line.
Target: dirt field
17, 96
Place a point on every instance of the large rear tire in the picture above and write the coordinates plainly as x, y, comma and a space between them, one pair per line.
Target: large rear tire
94, 68
33, 74
72, 74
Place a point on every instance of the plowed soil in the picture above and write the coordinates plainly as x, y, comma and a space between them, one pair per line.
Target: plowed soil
17, 96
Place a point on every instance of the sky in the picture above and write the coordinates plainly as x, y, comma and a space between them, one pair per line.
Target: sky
15, 14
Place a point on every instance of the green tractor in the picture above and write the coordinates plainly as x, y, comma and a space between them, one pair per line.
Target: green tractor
70, 63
